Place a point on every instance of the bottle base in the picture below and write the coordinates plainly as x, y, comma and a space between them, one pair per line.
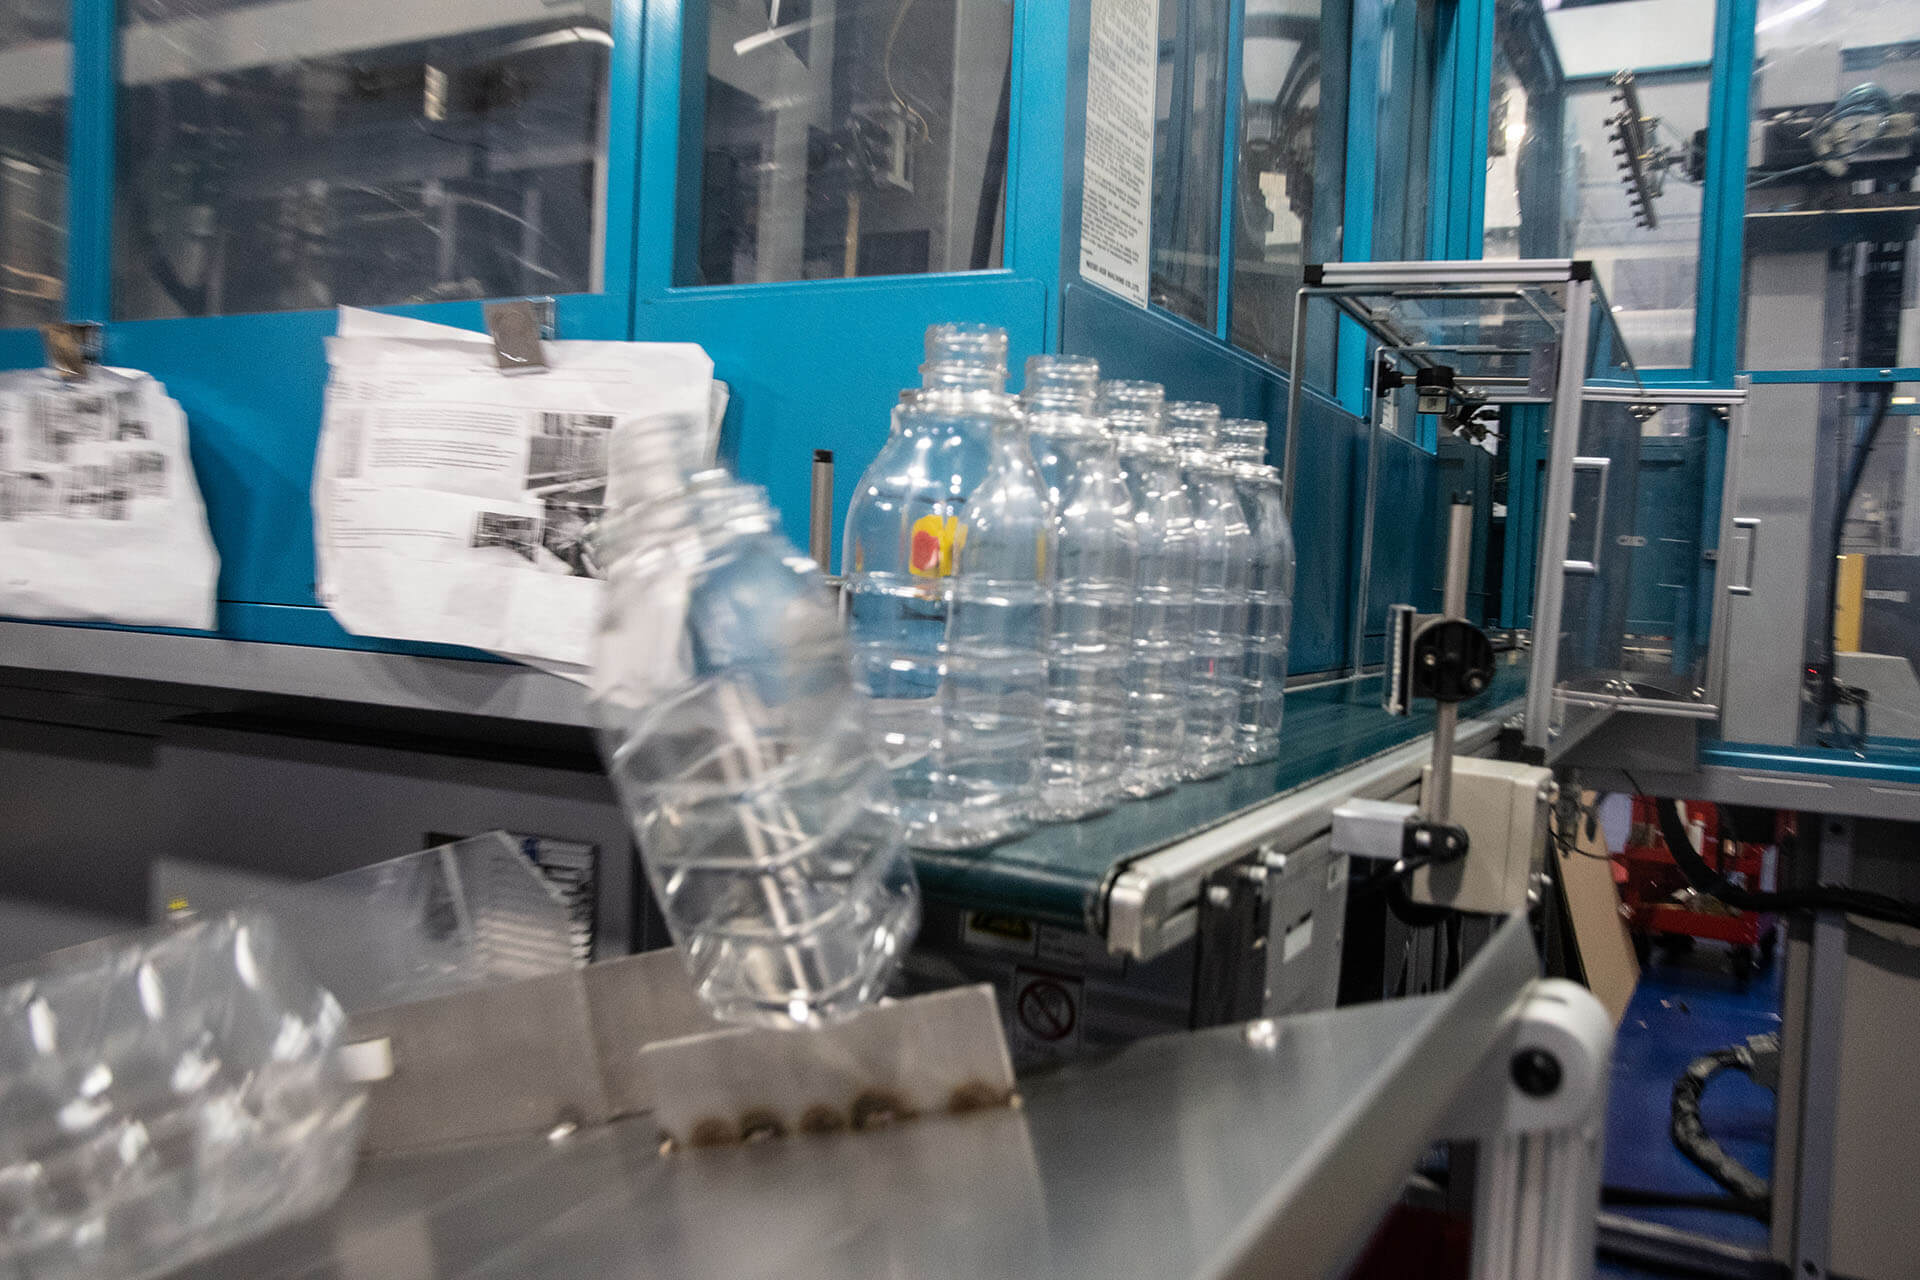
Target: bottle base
974, 834
1206, 772
1153, 784
1256, 753
1071, 808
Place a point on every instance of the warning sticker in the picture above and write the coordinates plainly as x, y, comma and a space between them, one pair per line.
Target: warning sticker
986, 932
1048, 1009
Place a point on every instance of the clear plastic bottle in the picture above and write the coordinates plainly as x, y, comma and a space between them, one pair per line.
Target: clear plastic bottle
1269, 588
165, 1095
897, 551
1161, 653
1222, 543
1091, 586
742, 753
986, 756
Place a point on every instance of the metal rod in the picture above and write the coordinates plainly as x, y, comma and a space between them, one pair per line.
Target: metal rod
820, 511
1550, 578
1715, 679
1453, 599
1296, 383
1357, 632
1453, 603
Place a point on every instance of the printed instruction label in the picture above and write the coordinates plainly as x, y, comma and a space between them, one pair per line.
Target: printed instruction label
1116, 211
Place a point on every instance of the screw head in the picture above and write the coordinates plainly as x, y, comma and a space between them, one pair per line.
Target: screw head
1536, 1073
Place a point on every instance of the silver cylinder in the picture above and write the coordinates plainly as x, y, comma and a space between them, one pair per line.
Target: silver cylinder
820, 511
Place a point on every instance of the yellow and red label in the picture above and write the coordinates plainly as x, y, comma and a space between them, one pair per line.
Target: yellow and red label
935, 541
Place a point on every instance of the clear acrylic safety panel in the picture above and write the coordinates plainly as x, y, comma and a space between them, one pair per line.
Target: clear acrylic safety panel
1189, 139
1290, 189
1831, 223
839, 139
1870, 605
36, 57
1557, 185
277, 157
1497, 337
1642, 556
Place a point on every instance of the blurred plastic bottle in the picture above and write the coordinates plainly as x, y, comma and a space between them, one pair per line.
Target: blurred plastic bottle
903, 527
740, 750
1161, 653
1269, 588
1091, 585
986, 755
165, 1095
1222, 543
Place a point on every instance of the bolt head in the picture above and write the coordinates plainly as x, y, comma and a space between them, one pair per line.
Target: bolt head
1536, 1073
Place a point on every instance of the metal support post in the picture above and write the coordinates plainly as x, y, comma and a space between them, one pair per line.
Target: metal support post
1820, 1063
1537, 1109
1296, 395
1453, 603
1550, 590
820, 511
1357, 632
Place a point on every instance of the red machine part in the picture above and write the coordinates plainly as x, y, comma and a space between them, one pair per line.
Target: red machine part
1656, 899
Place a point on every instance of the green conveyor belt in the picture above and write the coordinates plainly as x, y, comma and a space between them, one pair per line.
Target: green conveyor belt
1056, 873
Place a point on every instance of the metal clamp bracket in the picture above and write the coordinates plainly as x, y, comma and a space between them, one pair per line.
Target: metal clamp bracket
72, 348
517, 327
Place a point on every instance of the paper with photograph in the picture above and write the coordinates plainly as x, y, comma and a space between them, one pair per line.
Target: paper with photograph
451, 502
101, 519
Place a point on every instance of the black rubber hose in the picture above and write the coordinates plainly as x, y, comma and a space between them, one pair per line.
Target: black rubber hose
1824, 897
1690, 1131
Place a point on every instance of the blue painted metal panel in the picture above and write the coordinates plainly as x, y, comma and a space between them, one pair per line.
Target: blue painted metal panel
19, 349
1132, 343
818, 367
1525, 459
1043, 152
90, 154
1889, 761
1230, 167
1464, 77
1363, 122
1405, 518
1724, 203
1903, 374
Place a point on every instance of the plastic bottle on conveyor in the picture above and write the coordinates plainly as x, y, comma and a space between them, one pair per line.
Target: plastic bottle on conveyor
1091, 585
1222, 543
986, 756
903, 527
1269, 588
1162, 585
739, 748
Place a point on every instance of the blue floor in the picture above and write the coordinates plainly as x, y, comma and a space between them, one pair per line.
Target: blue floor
1688, 1004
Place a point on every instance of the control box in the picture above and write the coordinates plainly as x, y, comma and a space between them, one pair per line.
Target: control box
1503, 807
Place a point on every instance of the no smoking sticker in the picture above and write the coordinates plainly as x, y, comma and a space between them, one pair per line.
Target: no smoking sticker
1047, 1012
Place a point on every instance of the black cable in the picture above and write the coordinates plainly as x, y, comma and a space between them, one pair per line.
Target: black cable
1823, 897
1690, 1130
993, 181
1646, 1198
